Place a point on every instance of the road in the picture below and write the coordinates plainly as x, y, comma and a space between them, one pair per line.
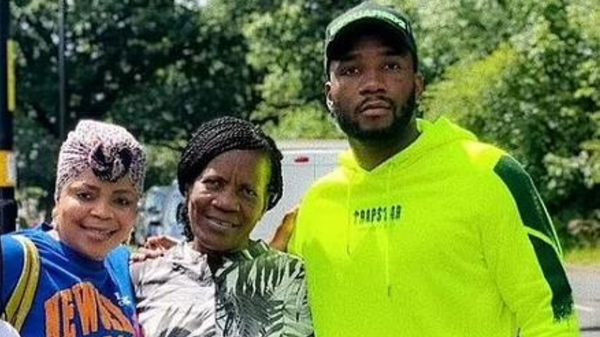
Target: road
586, 290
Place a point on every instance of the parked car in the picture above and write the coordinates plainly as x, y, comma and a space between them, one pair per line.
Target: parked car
170, 221
304, 161
151, 214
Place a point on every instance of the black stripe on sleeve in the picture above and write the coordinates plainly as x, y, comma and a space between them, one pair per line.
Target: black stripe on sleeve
526, 196
532, 214
562, 298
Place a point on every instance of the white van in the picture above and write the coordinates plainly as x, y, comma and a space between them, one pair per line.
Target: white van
304, 161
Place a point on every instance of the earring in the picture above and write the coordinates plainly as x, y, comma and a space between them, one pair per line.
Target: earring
329, 104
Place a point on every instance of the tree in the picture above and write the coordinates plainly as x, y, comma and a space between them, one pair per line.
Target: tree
111, 47
286, 44
154, 66
536, 95
521, 74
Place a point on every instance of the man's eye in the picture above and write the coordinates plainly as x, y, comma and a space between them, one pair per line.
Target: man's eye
348, 71
393, 67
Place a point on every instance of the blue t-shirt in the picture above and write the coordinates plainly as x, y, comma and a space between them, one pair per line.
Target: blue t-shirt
76, 296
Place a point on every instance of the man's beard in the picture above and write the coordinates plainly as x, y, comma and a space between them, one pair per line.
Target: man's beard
401, 118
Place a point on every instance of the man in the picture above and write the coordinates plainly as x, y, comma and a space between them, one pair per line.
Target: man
422, 230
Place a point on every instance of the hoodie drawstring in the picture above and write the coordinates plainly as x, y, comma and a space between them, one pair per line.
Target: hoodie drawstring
387, 233
350, 216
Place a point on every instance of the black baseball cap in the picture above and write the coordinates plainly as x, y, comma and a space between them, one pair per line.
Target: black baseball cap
371, 14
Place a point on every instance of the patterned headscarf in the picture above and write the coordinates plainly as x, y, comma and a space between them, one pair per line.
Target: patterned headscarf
109, 150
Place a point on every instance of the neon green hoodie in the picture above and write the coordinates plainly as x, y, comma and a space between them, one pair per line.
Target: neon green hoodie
446, 238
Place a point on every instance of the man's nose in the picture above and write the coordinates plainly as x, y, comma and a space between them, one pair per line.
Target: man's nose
372, 82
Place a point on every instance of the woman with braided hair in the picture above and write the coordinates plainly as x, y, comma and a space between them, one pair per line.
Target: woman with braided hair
219, 282
71, 277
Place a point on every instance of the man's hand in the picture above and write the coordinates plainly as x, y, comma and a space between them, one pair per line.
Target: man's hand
154, 247
284, 231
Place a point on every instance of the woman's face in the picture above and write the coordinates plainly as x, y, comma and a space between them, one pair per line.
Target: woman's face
227, 199
94, 216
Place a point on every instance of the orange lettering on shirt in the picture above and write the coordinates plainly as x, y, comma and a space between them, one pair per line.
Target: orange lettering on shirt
87, 307
113, 320
104, 313
68, 312
52, 316
122, 321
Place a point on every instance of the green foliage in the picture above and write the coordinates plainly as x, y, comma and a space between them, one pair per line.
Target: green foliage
465, 85
537, 95
112, 46
585, 257
305, 122
36, 162
521, 74
286, 45
463, 31
162, 165
156, 67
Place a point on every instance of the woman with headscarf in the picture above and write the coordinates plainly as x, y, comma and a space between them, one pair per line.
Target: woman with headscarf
219, 282
69, 278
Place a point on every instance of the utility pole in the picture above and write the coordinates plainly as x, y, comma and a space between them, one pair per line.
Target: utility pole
8, 206
62, 76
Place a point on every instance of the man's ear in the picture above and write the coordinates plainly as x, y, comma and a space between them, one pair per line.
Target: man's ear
419, 85
327, 92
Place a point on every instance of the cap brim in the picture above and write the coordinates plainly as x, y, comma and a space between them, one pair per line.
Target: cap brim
343, 39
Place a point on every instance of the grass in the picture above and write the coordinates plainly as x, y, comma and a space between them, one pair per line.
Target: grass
583, 256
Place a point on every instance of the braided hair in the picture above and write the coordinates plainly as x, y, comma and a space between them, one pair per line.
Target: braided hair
218, 136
